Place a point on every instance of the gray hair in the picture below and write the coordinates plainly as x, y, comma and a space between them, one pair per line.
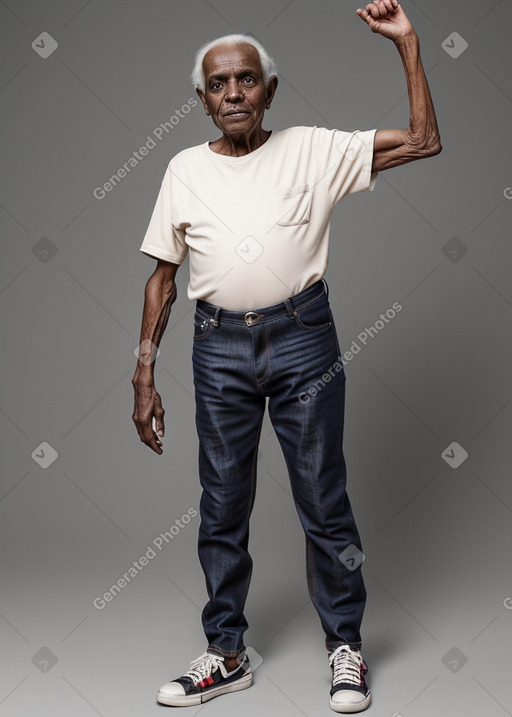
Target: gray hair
268, 66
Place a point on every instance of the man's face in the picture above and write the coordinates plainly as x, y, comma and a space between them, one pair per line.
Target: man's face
235, 95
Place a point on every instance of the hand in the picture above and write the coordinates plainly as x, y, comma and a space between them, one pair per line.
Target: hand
387, 18
148, 403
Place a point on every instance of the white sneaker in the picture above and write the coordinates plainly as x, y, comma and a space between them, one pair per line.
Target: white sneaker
207, 678
349, 691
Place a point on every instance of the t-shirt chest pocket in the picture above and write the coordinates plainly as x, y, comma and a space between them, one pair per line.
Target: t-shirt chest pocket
291, 205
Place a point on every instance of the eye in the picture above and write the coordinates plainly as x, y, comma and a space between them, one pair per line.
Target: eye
215, 86
248, 80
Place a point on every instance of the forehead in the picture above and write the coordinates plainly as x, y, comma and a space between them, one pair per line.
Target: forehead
230, 58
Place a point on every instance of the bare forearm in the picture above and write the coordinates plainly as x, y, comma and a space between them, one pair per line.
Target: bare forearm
159, 295
394, 147
423, 131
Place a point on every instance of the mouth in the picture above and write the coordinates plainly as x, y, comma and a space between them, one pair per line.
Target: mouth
236, 113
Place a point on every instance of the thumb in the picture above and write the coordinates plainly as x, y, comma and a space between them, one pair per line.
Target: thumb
159, 426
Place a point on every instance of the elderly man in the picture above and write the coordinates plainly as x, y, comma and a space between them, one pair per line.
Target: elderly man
253, 209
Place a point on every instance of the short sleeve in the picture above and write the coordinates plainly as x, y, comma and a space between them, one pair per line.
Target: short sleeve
162, 240
345, 161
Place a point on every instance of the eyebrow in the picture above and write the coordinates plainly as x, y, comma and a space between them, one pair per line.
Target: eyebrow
240, 73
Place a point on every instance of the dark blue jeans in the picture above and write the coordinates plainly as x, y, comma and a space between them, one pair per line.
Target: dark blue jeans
289, 353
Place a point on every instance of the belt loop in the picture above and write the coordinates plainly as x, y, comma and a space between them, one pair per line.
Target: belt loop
326, 287
289, 308
216, 316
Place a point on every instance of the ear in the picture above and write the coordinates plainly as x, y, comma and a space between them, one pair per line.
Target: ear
203, 100
271, 90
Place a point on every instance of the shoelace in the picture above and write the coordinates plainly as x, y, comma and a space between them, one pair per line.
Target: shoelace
347, 665
203, 666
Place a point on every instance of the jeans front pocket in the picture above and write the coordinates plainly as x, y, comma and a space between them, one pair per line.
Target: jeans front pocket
202, 326
314, 316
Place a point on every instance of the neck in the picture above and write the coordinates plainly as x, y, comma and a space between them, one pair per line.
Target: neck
240, 145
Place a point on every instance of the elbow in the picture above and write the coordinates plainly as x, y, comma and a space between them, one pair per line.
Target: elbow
435, 147
433, 144
424, 144
431, 147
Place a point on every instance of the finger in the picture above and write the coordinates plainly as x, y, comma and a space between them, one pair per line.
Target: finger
156, 446
159, 418
152, 441
159, 426
381, 7
145, 430
365, 15
150, 435
372, 10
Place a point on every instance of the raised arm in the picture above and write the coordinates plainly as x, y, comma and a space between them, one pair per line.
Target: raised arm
421, 139
160, 293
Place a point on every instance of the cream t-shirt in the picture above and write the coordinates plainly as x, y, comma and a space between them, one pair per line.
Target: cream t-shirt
257, 226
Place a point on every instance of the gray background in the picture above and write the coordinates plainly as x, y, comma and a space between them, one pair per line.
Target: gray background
436, 538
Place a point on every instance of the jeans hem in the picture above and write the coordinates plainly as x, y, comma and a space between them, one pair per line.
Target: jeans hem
224, 653
331, 646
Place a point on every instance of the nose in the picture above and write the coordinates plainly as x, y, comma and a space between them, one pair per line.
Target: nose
233, 92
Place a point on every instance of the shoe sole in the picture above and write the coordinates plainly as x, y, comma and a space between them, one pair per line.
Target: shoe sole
187, 700
350, 709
